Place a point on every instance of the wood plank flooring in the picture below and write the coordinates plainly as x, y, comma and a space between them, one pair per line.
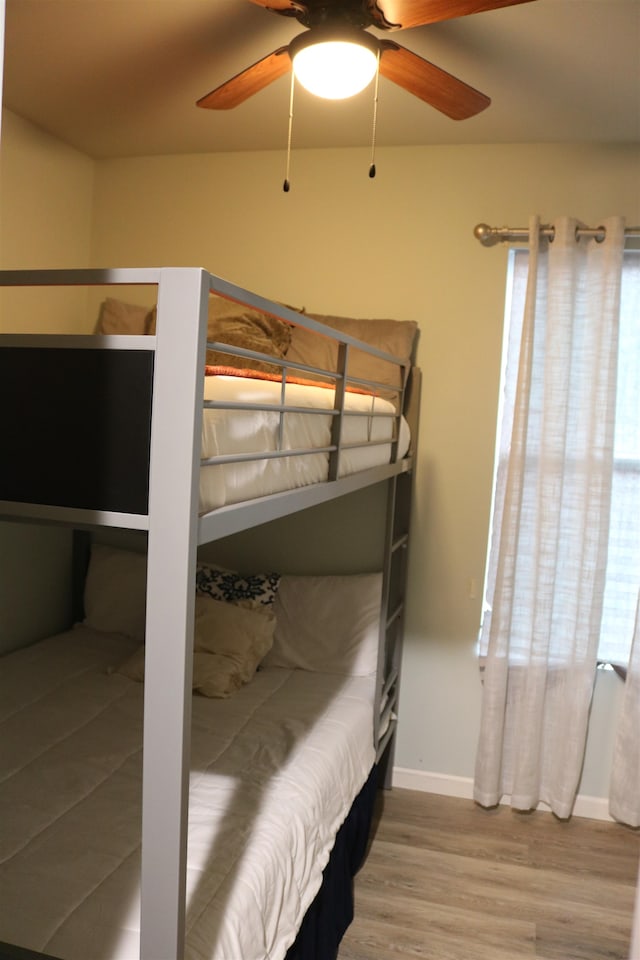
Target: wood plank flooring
447, 880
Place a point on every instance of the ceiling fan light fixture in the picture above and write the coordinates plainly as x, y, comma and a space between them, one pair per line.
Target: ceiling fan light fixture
336, 66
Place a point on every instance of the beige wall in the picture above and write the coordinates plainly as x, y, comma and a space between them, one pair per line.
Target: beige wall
46, 196
400, 246
46, 191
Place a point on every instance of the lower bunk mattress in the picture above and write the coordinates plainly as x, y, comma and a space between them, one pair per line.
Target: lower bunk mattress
274, 771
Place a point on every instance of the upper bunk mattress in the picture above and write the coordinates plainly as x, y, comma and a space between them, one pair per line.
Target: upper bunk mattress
274, 771
252, 431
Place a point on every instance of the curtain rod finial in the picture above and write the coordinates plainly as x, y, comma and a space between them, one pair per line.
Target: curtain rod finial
485, 234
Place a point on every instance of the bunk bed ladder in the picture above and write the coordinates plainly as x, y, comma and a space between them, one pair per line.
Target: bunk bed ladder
400, 493
392, 622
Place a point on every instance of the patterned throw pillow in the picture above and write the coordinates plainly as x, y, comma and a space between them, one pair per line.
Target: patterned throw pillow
252, 590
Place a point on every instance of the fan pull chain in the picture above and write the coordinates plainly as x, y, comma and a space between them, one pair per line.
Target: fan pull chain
286, 186
372, 165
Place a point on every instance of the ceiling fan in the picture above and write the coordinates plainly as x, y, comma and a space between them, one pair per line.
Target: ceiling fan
346, 22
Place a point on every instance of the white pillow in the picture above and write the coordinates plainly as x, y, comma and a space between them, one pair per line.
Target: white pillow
115, 591
327, 624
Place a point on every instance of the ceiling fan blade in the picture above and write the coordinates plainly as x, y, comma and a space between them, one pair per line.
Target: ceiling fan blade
255, 78
430, 83
289, 7
402, 14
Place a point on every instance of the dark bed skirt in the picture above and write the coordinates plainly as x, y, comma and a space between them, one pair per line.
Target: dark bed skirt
331, 912
8, 952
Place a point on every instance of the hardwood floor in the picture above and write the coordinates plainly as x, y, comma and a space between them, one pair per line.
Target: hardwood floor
447, 880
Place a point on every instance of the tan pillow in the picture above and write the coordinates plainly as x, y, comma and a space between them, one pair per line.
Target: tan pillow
133, 666
239, 635
117, 317
241, 326
229, 643
393, 336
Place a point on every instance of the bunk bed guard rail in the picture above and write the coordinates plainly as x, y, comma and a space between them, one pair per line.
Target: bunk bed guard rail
80, 411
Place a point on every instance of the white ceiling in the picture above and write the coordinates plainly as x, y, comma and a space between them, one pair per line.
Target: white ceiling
119, 78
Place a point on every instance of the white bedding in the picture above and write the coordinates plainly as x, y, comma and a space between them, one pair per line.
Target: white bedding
252, 431
274, 772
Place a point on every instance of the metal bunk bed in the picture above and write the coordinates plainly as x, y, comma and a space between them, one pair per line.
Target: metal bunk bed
162, 499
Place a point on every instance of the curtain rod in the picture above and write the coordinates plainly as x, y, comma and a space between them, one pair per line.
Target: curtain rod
489, 236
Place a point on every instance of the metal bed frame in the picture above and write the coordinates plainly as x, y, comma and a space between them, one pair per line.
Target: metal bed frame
176, 355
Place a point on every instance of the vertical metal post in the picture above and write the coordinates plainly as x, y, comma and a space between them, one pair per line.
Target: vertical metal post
337, 420
381, 675
173, 523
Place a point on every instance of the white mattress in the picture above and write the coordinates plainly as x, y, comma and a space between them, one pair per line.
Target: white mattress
250, 431
274, 772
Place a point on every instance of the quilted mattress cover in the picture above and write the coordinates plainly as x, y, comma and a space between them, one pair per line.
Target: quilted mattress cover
255, 431
274, 771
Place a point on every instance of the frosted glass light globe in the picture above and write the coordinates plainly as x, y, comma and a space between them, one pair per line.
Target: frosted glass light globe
335, 69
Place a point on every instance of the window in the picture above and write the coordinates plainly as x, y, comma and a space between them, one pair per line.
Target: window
623, 565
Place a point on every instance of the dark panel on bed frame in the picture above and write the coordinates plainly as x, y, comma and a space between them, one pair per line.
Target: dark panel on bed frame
75, 427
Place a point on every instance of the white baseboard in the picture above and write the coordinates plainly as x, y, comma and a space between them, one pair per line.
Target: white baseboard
442, 783
594, 808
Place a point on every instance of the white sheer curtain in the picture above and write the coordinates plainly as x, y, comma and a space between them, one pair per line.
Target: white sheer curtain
550, 523
624, 789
